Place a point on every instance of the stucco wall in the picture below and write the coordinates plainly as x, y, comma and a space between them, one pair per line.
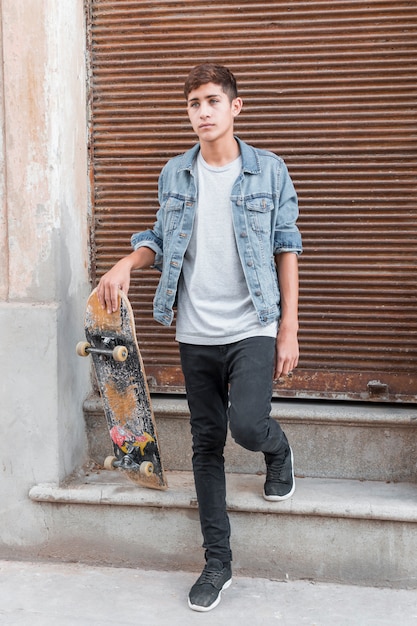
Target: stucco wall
43, 256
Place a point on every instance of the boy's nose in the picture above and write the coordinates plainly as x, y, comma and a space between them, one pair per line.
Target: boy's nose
204, 110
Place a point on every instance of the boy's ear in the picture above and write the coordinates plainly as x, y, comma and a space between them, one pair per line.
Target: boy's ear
237, 105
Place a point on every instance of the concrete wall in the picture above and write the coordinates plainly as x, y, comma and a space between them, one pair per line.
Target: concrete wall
43, 255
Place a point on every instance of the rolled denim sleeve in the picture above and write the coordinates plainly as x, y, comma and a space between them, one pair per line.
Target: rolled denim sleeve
287, 237
149, 239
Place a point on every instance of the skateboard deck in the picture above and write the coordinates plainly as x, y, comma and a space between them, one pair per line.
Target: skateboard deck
111, 341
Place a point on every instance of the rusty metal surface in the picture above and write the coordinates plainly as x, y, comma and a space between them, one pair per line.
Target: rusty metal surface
329, 86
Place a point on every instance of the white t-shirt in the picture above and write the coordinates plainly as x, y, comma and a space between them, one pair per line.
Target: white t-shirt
214, 304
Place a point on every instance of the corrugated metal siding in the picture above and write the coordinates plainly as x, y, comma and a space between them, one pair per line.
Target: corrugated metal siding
331, 87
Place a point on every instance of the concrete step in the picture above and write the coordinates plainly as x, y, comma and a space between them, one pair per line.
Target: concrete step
329, 439
353, 518
347, 531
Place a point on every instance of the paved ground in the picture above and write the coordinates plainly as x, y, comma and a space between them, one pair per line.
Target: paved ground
44, 594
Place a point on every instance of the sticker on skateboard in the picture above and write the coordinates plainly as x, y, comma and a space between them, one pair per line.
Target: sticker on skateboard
111, 342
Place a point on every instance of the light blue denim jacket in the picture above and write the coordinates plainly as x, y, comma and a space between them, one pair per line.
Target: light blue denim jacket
264, 212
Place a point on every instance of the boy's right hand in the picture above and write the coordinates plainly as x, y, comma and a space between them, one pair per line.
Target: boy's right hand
116, 278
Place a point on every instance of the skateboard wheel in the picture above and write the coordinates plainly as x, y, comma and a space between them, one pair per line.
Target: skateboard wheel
82, 348
120, 353
146, 468
109, 462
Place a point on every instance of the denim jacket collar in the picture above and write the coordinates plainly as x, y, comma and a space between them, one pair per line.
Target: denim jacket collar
250, 158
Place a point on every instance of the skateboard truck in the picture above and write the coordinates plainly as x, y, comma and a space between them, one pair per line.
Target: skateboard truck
133, 446
119, 353
146, 468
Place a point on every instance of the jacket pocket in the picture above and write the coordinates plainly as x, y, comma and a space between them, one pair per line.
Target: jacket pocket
173, 210
260, 213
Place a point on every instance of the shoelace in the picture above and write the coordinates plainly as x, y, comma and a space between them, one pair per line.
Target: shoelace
209, 576
273, 471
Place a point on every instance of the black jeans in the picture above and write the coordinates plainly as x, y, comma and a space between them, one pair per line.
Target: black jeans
227, 384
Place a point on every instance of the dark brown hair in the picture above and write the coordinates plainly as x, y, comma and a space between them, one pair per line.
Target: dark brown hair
211, 73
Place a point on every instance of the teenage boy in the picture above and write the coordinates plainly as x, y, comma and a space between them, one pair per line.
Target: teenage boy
226, 241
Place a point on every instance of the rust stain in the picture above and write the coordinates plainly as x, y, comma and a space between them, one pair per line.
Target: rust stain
122, 405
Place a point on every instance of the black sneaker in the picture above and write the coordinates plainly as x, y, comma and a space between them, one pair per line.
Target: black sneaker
280, 483
206, 593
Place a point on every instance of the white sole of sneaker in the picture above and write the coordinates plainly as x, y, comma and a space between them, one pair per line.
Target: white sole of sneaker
204, 609
290, 493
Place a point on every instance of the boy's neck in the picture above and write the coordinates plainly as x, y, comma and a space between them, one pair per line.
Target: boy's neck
220, 153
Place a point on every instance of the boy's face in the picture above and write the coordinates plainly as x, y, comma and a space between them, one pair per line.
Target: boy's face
211, 113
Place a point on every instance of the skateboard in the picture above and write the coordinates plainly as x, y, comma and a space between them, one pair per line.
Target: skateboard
111, 341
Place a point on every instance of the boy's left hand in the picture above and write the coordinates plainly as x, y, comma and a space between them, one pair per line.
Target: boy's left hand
286, 353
